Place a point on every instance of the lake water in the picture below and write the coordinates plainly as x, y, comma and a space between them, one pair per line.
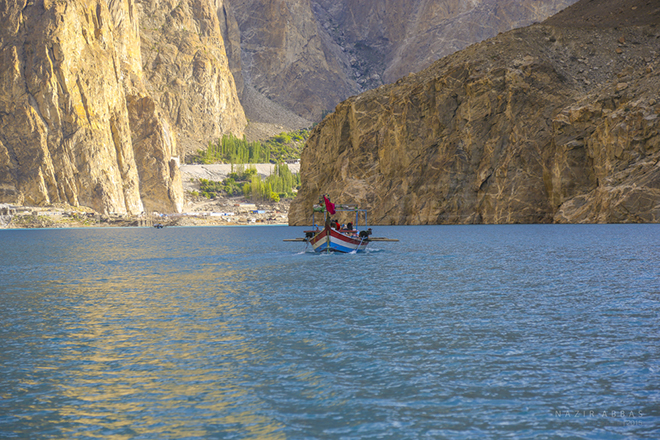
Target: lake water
457, 332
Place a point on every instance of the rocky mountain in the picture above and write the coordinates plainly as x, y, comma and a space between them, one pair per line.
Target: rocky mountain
98, 99
101, 99
308, 55
556, 122
286, 57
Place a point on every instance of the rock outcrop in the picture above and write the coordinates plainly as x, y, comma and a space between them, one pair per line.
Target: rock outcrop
550, 123
98, 100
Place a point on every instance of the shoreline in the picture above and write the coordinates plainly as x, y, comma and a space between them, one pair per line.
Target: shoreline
190, 222
199, 212
145, 227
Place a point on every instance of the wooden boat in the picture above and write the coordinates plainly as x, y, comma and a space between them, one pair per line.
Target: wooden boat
332, 237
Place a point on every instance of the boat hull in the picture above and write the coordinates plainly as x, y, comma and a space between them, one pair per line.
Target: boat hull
331, 240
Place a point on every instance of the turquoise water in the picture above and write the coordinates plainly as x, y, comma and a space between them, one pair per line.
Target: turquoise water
458, 332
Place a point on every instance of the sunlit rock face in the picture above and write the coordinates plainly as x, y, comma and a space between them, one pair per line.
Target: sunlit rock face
65, 130
89, 117
538, 125
186, 70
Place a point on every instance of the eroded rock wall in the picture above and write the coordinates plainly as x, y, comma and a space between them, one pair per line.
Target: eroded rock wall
64, 131
538, 125
99, 100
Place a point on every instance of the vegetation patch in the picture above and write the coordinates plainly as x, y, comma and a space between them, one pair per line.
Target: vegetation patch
279, 185
230, 149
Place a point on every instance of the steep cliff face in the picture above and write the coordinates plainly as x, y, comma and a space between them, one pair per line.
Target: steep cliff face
91, 107
64, 131
543, 124
308, 55
187, 71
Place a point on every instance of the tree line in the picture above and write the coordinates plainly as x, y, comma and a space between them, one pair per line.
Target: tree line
282, 183
234, 150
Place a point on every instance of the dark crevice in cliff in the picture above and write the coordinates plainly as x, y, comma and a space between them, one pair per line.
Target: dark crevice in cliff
35, 105
83, 98
14, 162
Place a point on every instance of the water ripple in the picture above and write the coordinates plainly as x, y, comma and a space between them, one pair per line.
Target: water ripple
454, 332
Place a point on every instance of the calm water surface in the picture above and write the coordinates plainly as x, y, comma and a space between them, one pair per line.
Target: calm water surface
465, 332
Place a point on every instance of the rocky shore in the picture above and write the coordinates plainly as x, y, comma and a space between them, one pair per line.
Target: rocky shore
217, 212
198, 211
